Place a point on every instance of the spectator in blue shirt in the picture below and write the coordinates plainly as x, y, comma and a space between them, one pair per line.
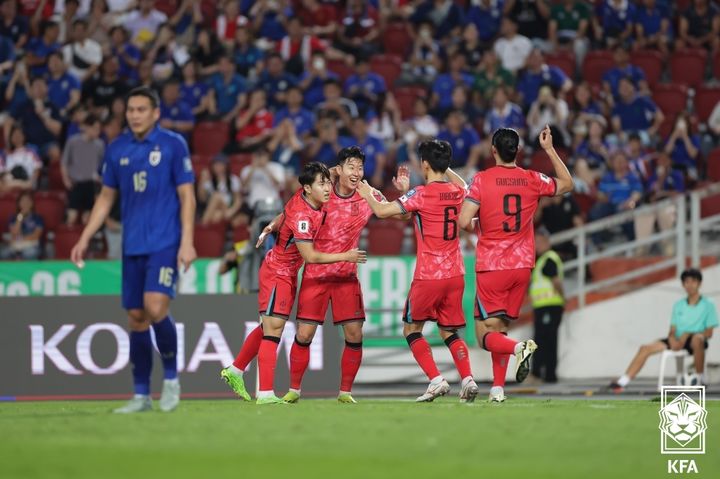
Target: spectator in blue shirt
364, 87
504, 114
229, 89
40, 119
487, 16
465, 143
683, 146
63, 88
302, 119
699, 26
664, 181
25, 229
619, 190
246, 55
275, 81
444, 83
313, 80
446, 16
39, 48
128, 55
624, 69
634, 113
374, 149
195, 93
592, 154
328, 143
12, 25
538, 73
613, 21
269, 19
175, 114
7, 59
653, 28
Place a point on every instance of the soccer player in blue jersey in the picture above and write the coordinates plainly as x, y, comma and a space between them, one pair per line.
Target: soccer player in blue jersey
150, 168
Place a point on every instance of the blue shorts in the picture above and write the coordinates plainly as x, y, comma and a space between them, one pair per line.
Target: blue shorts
154, 272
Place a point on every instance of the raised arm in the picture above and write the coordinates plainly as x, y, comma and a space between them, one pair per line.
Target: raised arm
467, 215
563, 178
381, 209
455, 178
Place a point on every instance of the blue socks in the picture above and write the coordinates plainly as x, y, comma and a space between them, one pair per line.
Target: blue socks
141, 351
166, 340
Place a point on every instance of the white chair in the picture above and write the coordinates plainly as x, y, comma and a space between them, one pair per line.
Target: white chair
680, 358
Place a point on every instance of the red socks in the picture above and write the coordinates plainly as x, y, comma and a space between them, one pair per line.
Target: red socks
299, 360
349, 365
423, 354
249, 349
499, 366
267, 360
499, 343
459, 351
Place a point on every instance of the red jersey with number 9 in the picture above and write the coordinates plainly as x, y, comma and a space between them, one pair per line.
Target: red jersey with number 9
508, 198
435, 208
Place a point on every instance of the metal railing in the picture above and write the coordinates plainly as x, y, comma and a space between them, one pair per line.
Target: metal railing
678, 234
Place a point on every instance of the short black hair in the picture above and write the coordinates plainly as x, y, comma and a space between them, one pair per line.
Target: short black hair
310, 172
691, 273
437, 153
56, 53
47, 25
147, 92
350, 152
332, 81
80, 21
91, 120
507, 142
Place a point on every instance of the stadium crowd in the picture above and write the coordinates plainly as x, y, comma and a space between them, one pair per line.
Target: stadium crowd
259, 87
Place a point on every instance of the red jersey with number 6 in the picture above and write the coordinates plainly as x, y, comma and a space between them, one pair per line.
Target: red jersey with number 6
508, 198
435, 209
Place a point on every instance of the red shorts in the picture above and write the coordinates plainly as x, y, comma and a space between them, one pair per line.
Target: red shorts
317, 293
500, 294
277, 293
436, 300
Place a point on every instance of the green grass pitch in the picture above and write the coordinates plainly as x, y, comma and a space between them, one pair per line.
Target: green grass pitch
523, 438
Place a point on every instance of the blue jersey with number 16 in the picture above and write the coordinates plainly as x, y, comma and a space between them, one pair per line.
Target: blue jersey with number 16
146, 174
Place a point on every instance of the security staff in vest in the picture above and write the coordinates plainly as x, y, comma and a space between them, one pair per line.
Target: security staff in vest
548, 302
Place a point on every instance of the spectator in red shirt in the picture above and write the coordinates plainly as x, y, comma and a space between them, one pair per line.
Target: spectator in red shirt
359, 28
297, 48
227, 22
320, 19
254, 125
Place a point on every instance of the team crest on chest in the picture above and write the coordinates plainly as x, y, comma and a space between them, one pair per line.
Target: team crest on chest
155, 156
355, 209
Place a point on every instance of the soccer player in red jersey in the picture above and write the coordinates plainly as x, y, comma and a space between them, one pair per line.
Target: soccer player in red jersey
337, 283
505, 198
437, 288
301, 219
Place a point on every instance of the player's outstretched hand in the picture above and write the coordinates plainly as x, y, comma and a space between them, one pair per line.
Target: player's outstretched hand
364, 189
402, 180
186, 255
546, 141
357, 256
265, 232
77, 253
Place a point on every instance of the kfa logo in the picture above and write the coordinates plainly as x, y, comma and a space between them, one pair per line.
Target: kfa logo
683, 422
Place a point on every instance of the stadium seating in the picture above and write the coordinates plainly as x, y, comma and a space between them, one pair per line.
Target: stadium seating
238, 162
595, 64
563, 59
240, 233
200, 162
713, 165
387, 66
386, 237
340, 68
651, 63
397, 40
687, 67
55, 180
64, 240
539, 161
405, 98
705, 100
210, 240
210, 137
50, 205
671, 99
7, 210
